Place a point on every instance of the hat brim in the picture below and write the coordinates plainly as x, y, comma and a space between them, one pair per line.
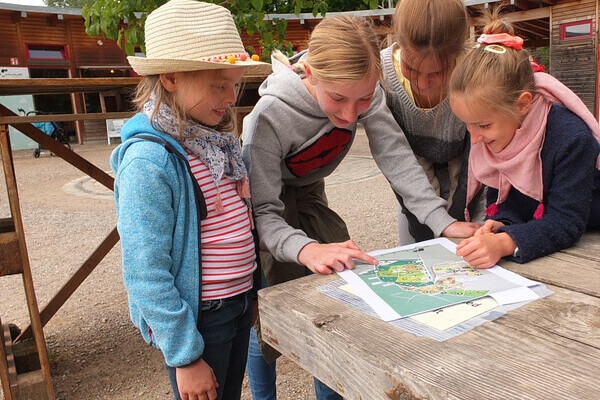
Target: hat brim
148, 66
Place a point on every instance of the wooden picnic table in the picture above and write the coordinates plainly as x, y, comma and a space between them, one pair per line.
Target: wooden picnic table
547, 349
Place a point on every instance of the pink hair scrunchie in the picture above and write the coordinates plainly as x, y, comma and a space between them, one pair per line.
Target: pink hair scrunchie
503, 39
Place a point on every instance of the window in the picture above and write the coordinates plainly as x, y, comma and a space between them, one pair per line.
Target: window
576, 30
46, 52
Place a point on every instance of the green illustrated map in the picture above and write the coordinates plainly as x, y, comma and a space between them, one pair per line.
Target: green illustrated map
426, 278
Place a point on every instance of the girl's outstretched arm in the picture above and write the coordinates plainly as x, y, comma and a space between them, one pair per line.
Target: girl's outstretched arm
395, 158
263, 155
326, 258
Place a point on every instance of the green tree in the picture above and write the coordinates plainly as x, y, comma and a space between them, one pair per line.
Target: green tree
287, 7
123, 20
68, 3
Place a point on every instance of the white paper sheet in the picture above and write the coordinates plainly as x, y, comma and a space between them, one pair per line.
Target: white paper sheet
448, 317
515, 295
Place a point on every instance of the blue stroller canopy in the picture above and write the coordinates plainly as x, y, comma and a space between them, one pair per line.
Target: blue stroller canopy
47, 127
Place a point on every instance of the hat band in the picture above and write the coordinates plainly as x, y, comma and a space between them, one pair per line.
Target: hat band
230, 58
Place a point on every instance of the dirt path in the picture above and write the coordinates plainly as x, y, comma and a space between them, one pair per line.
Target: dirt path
95, 351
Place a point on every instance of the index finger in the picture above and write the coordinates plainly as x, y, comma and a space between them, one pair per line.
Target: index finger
361, 255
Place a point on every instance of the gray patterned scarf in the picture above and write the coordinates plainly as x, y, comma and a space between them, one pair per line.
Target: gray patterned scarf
219, 151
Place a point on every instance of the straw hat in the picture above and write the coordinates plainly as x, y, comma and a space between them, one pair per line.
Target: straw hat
188, 35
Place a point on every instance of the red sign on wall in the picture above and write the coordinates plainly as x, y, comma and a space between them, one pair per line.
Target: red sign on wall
14, 61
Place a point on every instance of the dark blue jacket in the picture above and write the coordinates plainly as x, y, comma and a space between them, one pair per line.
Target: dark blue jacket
571, 191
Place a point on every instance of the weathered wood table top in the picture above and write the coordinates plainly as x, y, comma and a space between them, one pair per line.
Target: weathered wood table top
547, 349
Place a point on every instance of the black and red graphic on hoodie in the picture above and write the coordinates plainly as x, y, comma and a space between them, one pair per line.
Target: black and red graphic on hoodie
320, 153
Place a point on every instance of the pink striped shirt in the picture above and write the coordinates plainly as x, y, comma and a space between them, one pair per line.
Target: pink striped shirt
228, 255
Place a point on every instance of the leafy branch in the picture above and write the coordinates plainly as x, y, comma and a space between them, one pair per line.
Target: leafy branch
123, 21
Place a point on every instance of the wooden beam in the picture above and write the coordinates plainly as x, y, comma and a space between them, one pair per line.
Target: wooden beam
526, 15
80, 85
531, 31
63, 85
66, 154
18, 119
75, 281
518, 16
540, 23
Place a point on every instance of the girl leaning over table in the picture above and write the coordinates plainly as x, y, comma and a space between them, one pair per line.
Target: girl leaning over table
430, 37
533, 143
298, 133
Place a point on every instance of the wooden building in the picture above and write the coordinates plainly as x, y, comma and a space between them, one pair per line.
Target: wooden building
568, 28
51, 42
574, 48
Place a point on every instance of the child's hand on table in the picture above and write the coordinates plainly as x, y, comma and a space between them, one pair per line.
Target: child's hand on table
485, 249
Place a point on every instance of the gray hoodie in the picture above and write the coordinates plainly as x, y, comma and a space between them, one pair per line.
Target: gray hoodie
288, 140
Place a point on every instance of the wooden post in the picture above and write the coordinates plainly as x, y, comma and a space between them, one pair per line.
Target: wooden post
34, 314
8, 372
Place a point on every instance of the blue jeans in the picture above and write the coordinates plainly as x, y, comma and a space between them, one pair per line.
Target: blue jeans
323, 392
225, 327
262, 376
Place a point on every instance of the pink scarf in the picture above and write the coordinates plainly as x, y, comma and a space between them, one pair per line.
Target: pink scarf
519, 164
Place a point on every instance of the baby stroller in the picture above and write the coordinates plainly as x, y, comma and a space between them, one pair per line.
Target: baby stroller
52, 129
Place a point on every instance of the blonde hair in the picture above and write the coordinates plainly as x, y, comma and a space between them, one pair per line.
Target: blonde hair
341, 49
437, 28
494, 79
151, 84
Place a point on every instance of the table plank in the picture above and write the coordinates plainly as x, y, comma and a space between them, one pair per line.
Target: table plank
564, 314
547, 349
588, 247
563, 270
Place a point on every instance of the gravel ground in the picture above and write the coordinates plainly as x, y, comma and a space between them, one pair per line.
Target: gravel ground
95, 351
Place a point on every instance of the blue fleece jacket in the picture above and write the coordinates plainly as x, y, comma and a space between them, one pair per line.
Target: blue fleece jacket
571, 191
158, 224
